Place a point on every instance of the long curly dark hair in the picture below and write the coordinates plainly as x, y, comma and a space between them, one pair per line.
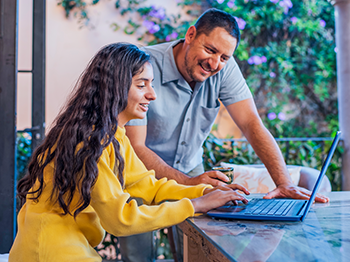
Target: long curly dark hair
85, 127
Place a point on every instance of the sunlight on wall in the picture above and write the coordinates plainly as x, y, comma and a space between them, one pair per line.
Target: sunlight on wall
69, 47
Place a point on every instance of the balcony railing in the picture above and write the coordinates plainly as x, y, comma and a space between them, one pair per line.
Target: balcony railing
303, 151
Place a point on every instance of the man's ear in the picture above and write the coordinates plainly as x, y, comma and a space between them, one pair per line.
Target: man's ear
190, 34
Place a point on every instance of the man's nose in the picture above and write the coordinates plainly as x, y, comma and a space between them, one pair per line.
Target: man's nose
214, 62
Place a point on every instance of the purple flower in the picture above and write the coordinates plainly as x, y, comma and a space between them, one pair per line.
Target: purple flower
286, 4
336, 49
157, 13
250, 60
148, 24
220, 1
151, 26
294, 20
271, 115
274, 1
173, 35
322, 23
231, 4
272, 75
257, 60
241, 23
281, 116
161, 13
254, 60
154, 29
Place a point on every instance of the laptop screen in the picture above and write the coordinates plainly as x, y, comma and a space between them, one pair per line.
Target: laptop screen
322, 173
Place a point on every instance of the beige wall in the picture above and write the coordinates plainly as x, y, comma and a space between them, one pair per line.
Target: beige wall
68, 50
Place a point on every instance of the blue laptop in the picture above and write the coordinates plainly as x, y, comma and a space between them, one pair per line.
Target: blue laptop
275, 209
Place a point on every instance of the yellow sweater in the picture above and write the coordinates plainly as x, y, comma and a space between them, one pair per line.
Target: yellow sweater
46, 236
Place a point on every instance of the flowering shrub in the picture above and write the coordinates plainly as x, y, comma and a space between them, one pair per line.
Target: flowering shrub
287, 56
286, 53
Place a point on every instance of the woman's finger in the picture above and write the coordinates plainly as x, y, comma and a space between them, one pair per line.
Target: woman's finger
239, 187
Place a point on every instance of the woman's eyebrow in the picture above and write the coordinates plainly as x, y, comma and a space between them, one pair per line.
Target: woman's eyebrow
143, 79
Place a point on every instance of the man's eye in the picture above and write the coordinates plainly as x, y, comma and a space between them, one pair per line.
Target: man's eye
211, 51
141, 86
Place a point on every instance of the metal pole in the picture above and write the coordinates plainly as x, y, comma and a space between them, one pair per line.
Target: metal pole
38, 79
8, 91
342, 36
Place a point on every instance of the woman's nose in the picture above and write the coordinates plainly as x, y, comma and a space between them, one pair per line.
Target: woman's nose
151, 94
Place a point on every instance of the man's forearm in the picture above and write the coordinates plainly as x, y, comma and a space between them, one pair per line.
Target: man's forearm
269, 153
162, 169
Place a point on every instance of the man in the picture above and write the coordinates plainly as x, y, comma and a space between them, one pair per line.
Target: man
190, 76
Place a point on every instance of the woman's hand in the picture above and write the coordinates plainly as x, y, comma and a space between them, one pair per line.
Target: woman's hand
226, 187
219, 196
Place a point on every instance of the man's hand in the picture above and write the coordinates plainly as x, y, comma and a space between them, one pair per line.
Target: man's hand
293, 191
214, 178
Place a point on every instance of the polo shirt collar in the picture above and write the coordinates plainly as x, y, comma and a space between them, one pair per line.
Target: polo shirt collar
172, 73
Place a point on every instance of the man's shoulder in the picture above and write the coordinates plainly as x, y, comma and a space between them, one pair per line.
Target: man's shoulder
156, 50
231, 63
231, 69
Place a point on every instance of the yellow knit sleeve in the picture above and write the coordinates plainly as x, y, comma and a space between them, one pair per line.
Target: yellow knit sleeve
154, 191
121, 218
141, 183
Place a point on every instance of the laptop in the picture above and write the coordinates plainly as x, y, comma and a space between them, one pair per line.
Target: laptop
275, 209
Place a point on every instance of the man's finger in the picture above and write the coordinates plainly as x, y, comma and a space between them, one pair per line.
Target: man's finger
218, 175
299, 193
321, 199
215, 182
271, 194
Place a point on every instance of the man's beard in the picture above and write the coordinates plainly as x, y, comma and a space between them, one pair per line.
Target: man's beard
191, 69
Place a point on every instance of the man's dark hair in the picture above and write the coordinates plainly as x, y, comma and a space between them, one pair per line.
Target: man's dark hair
213, 18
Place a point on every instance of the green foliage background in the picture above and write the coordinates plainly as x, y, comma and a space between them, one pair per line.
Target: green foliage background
24, 153
299, 75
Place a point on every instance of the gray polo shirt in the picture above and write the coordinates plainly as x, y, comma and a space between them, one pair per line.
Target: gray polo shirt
180, 119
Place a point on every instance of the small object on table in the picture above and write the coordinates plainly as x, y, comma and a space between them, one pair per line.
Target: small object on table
228, 171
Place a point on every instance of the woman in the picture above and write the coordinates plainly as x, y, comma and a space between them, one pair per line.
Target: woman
81, 177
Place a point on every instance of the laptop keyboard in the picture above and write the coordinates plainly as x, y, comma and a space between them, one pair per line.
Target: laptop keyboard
270, 207
262, 207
